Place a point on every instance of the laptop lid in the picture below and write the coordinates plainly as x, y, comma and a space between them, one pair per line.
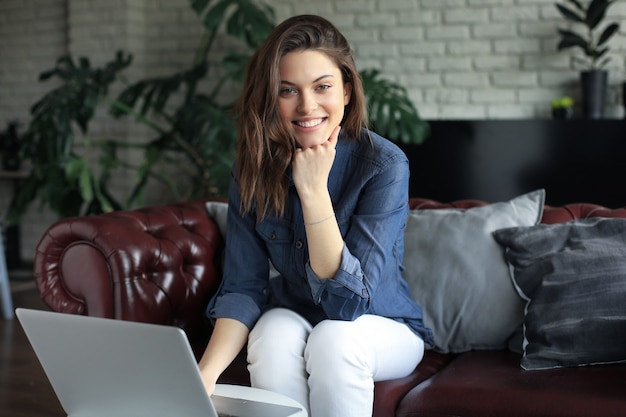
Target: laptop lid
104, 367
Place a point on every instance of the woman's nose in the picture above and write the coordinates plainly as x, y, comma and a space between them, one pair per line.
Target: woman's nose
307, 103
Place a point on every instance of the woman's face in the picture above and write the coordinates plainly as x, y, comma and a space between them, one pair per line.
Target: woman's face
312, 96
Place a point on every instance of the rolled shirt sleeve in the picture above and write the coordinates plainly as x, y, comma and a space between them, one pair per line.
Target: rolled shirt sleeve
345, 296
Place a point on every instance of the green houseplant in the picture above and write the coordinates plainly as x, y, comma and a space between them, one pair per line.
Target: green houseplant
391, 112
71, 171
593, 41
562, 108
193, 131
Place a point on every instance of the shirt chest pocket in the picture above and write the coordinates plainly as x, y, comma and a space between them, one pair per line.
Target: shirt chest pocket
274, 232
277, 237
286, 252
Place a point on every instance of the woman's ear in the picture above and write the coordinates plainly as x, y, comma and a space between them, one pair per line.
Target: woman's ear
347, 93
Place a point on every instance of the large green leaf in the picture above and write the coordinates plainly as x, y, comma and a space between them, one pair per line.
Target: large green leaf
608, 33
596, 12
215, 16
577, 4
155, 93
235, 65
391, 112
199, 5
250, 23
571, 39
570, 14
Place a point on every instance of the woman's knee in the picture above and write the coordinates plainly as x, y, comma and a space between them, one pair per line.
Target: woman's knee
278, 330
333, 344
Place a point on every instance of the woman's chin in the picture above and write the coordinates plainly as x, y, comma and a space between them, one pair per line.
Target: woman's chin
310, 140
314, 137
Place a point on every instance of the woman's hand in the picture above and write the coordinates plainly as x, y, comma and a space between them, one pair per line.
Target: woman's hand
311, 166
209, 385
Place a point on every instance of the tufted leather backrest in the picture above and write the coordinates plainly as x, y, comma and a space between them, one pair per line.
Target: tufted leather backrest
551, 214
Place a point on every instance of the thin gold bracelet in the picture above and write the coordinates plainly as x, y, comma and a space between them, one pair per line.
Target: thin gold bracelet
320, 221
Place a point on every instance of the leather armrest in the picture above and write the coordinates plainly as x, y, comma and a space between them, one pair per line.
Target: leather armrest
157, 265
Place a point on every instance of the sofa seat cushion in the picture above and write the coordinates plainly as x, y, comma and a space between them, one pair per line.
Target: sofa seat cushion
387, 394
237, 372
491, 383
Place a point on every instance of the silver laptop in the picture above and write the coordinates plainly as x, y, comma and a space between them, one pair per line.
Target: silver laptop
104, 367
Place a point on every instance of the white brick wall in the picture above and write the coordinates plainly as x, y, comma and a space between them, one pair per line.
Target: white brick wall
494, 50
33, 34
458, 58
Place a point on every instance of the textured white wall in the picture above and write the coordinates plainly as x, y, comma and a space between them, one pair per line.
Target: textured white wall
33, 34
459, 59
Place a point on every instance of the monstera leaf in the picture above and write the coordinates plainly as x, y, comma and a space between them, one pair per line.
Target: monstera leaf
391, 112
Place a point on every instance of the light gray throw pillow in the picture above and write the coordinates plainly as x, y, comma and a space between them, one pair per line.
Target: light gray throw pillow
457, 272
219, 212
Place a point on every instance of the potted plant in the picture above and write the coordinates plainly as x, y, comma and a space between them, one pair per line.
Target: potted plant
562, 108
593, 41
71, 170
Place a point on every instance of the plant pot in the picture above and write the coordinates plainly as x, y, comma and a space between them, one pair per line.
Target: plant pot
624, 97
593, 88
562, 113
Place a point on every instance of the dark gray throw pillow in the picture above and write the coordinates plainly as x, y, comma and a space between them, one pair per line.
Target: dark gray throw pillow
573, 278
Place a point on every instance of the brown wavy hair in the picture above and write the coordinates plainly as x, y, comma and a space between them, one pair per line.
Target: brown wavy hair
265, 143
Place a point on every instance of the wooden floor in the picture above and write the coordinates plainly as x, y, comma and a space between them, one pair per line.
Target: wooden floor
24, 388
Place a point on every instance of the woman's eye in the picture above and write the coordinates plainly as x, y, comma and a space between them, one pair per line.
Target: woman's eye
288, 91
323, 87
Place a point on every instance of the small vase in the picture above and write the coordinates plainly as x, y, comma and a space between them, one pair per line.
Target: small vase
594, 85
624, 97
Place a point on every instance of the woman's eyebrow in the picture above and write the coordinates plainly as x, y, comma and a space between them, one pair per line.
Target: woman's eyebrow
318, 79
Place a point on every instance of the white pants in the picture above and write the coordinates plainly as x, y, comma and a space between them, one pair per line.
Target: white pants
331, 368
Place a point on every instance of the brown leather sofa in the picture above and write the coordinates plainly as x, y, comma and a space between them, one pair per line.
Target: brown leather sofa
161, 265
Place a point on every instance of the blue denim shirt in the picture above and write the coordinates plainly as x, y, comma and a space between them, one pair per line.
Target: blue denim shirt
368, 186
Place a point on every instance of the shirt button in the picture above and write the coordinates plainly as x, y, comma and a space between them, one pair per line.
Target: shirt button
299, 244
273, 236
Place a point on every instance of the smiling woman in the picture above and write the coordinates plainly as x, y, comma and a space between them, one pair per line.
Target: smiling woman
332, 227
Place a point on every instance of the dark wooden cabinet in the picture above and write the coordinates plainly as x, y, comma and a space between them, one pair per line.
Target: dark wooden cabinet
495, 160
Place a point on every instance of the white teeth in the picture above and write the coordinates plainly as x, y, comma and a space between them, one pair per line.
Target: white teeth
310, 123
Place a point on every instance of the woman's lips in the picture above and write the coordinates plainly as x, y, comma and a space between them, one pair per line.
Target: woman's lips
309, 123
